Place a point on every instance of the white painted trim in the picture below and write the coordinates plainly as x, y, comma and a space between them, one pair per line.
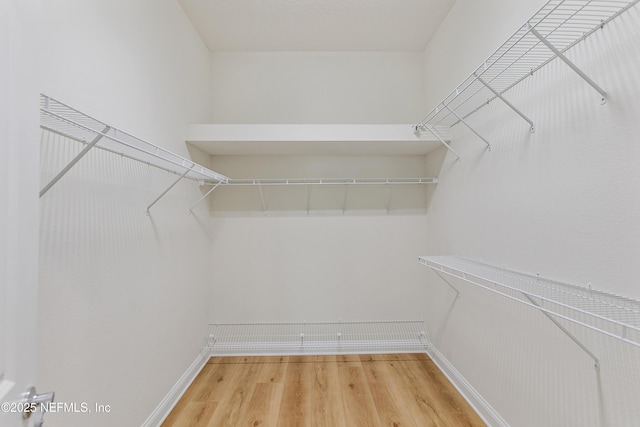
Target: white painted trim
5, 386
489, 415
162, 411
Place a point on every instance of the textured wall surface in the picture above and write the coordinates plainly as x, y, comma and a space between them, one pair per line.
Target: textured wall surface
123, 296
286, 265
317, 87
19, 207
562, 202
289, 269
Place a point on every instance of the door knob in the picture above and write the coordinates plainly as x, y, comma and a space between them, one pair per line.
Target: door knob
34, 402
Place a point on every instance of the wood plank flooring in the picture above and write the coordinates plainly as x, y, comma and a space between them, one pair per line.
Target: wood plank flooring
394, 390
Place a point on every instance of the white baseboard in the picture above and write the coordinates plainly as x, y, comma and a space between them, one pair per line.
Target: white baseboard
164, 408
489, 415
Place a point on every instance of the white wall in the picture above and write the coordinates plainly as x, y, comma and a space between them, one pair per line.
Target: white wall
317, 268
123, 295
285, 265
317, 87
18, 198
288, 266
562, 202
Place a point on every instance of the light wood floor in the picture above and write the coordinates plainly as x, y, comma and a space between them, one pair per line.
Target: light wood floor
395, 390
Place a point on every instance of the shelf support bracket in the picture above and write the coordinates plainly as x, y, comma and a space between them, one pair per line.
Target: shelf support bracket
574, 67
344, 199
205, 196
566, 332
170, 187
509, 104
264, 205
308, 199
389, 199
468, 126
434, 133
75, 160
447, 282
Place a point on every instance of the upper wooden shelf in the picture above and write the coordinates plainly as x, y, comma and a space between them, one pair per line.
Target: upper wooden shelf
308, 139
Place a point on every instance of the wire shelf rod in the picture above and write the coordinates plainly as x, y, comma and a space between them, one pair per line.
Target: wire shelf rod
560, 23
329, 181
120, 153
62, 119
606, 313
316, 337
154, 153
577, 296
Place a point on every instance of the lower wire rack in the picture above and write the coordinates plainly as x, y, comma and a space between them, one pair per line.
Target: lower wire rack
316, 338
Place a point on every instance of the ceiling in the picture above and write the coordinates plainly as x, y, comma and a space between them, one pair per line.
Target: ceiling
316, 25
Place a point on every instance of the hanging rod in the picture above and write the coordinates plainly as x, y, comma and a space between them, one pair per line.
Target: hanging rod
555, 28
64, 120
330, 181
615, 316
310, 182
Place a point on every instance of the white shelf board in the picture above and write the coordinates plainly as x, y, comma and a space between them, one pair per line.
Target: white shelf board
610, 314
311, 139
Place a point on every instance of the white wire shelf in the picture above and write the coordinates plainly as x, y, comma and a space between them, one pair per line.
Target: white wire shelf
610, 314
67, 121
390, 183
331, 181
316, 338
554, 29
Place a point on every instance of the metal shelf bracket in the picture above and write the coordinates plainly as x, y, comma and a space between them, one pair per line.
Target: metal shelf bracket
468, 126
434, 133
390, 198
205, 196
75, 160
574, 67
344, 199
509, 104
170, 187
573, 338
264, 204
448, 282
